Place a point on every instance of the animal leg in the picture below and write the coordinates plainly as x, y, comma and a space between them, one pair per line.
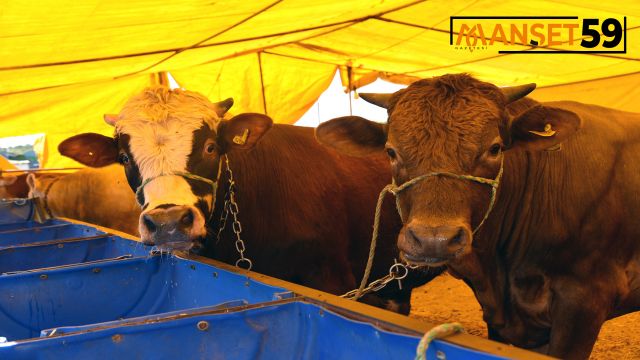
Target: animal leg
494, 334
577, 315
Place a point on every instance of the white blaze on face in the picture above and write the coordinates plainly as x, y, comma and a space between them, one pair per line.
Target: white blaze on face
179, 193
161, 124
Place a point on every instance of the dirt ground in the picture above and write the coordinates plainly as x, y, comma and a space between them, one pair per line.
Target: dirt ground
447, 299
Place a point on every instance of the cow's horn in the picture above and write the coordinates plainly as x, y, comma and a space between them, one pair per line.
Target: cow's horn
111, 119
381, 100
513, 93
223, 106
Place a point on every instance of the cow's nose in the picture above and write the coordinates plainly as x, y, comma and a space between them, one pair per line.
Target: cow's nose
168, 224
433, 243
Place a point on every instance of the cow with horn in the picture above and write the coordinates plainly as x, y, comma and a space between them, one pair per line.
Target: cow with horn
293, 209
534, 205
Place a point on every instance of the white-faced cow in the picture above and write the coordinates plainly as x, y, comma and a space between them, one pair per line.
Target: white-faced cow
556, 251
306, 211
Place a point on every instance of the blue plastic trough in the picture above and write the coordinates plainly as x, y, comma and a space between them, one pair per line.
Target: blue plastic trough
65, 252
29, 224
41, 234
97, 292
16, 210
289, 330
70, 291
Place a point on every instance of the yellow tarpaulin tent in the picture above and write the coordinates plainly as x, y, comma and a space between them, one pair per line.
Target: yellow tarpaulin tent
65, 63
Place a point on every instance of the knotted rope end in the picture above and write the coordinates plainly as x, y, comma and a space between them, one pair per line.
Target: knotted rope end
437, 332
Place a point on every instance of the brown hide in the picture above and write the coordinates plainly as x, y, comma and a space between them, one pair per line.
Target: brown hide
307, 214
99, 196
560, 251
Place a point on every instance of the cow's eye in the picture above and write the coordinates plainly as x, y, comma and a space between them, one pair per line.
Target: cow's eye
495, 149
123, 159
391, 153
210, 148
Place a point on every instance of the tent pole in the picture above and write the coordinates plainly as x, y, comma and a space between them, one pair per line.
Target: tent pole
264, 96
350, 87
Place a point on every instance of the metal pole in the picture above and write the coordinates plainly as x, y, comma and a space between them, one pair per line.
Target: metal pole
264, 96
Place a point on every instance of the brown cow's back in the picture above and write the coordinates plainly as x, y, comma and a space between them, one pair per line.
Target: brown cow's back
13, 186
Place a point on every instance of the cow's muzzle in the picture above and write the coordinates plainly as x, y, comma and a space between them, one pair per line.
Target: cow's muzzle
173, 227
426, 245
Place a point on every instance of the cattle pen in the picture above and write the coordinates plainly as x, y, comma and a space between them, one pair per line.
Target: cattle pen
55, 274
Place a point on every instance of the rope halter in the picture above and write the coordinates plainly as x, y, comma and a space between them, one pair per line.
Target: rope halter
185, 175
396, 190
494, 183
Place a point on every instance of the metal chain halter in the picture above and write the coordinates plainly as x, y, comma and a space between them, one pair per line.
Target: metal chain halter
395, 190
230, 205
397, 271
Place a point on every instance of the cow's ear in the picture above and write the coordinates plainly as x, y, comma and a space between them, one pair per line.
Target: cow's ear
542, 127
90, 149
34, 186
352, 135
242, 131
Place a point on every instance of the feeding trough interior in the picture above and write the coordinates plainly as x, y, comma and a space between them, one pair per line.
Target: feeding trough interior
72, 251
97, 292
289, 329
69, 290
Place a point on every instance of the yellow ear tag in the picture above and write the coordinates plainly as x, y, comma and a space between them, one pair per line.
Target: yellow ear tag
548, 131
241, 140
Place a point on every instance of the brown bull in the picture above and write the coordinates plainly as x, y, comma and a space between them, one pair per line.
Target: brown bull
98, 196
559, 252
305, 210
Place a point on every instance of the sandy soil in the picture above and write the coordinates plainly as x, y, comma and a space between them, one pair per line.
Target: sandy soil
447, 299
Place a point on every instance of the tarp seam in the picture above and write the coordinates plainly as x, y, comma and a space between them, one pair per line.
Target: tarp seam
357, 20
212, 36
264, 95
